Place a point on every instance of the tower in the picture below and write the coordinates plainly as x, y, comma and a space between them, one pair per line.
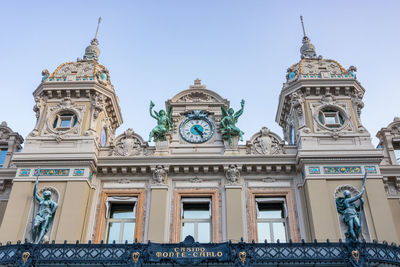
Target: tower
319, 110
77, 113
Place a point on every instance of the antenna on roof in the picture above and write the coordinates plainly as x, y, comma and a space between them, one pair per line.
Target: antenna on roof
97, 31
302, 25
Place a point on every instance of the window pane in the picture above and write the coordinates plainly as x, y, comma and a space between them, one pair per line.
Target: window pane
279, 231
263, 232
203, 232
3, 154
196, 210
113, 232
270, 210
65, 122
122, 211
187, 229
129, 232
329, 119
396, 154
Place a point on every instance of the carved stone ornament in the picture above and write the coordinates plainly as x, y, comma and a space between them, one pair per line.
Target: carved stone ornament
98, 105
129, 144
4, 131
328, 104
265, 143
197, 96
38, 108
66, 105
160, 174
232, 174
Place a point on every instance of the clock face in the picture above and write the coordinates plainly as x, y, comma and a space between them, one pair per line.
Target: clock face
196, 130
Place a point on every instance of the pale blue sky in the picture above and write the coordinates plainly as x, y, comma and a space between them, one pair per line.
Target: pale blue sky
239, 49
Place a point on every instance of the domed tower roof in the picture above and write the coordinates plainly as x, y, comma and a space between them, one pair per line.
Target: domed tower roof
315, 67
83, 70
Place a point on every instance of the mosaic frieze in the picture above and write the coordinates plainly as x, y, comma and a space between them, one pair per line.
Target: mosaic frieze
370, 169
79, 172
24, 172
52, 172
314, 170
342, 170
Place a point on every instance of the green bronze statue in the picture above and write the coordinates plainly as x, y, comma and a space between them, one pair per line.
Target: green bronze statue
164, 123
44, 216
228, 123
351, 213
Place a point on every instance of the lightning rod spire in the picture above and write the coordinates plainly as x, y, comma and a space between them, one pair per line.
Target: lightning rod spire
97, 30
302, 25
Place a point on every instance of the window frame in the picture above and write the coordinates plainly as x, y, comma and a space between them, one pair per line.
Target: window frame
60, 117
213, 194
292, 228
101, 232
271, 221
109, 203
196, 222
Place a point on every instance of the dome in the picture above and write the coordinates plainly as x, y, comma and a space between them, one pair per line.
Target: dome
315, 67
83, 70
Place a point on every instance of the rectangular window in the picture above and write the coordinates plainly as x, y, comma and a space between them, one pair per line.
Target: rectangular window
196, 219
271, 219
397, 155
121, 219
3, 153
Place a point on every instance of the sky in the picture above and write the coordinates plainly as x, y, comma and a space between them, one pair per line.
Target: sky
239, 49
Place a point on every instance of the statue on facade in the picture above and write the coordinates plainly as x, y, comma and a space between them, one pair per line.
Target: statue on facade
164, 123
228, 123
351, 213
44, 216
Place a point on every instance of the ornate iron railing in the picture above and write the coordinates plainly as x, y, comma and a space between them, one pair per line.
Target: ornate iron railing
189, 253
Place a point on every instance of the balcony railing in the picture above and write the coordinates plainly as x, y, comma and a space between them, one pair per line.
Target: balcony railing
189, 252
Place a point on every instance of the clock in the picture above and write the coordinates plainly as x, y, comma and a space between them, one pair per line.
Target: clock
196, 127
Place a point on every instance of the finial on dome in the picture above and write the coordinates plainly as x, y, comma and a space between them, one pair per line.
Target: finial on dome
92, 52
307, 50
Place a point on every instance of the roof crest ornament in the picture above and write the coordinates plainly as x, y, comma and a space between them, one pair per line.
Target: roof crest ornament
92, 52
307, 50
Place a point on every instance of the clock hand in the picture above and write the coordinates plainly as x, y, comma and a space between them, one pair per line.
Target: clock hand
198, 131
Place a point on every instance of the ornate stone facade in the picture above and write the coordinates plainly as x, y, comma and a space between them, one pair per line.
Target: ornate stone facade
324, 150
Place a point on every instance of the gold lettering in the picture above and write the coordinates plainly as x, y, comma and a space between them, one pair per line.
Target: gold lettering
183, 254
212, 254
183, 249
208, 254
202, 254
189, 249
219, 254
195, 254
165, 254
171, 254
158, 254
176, 249
178, 253
202, 249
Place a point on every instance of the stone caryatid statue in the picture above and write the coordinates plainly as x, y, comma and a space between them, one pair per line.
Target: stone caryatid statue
351, 213
164, 123
228, 123
44, 216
